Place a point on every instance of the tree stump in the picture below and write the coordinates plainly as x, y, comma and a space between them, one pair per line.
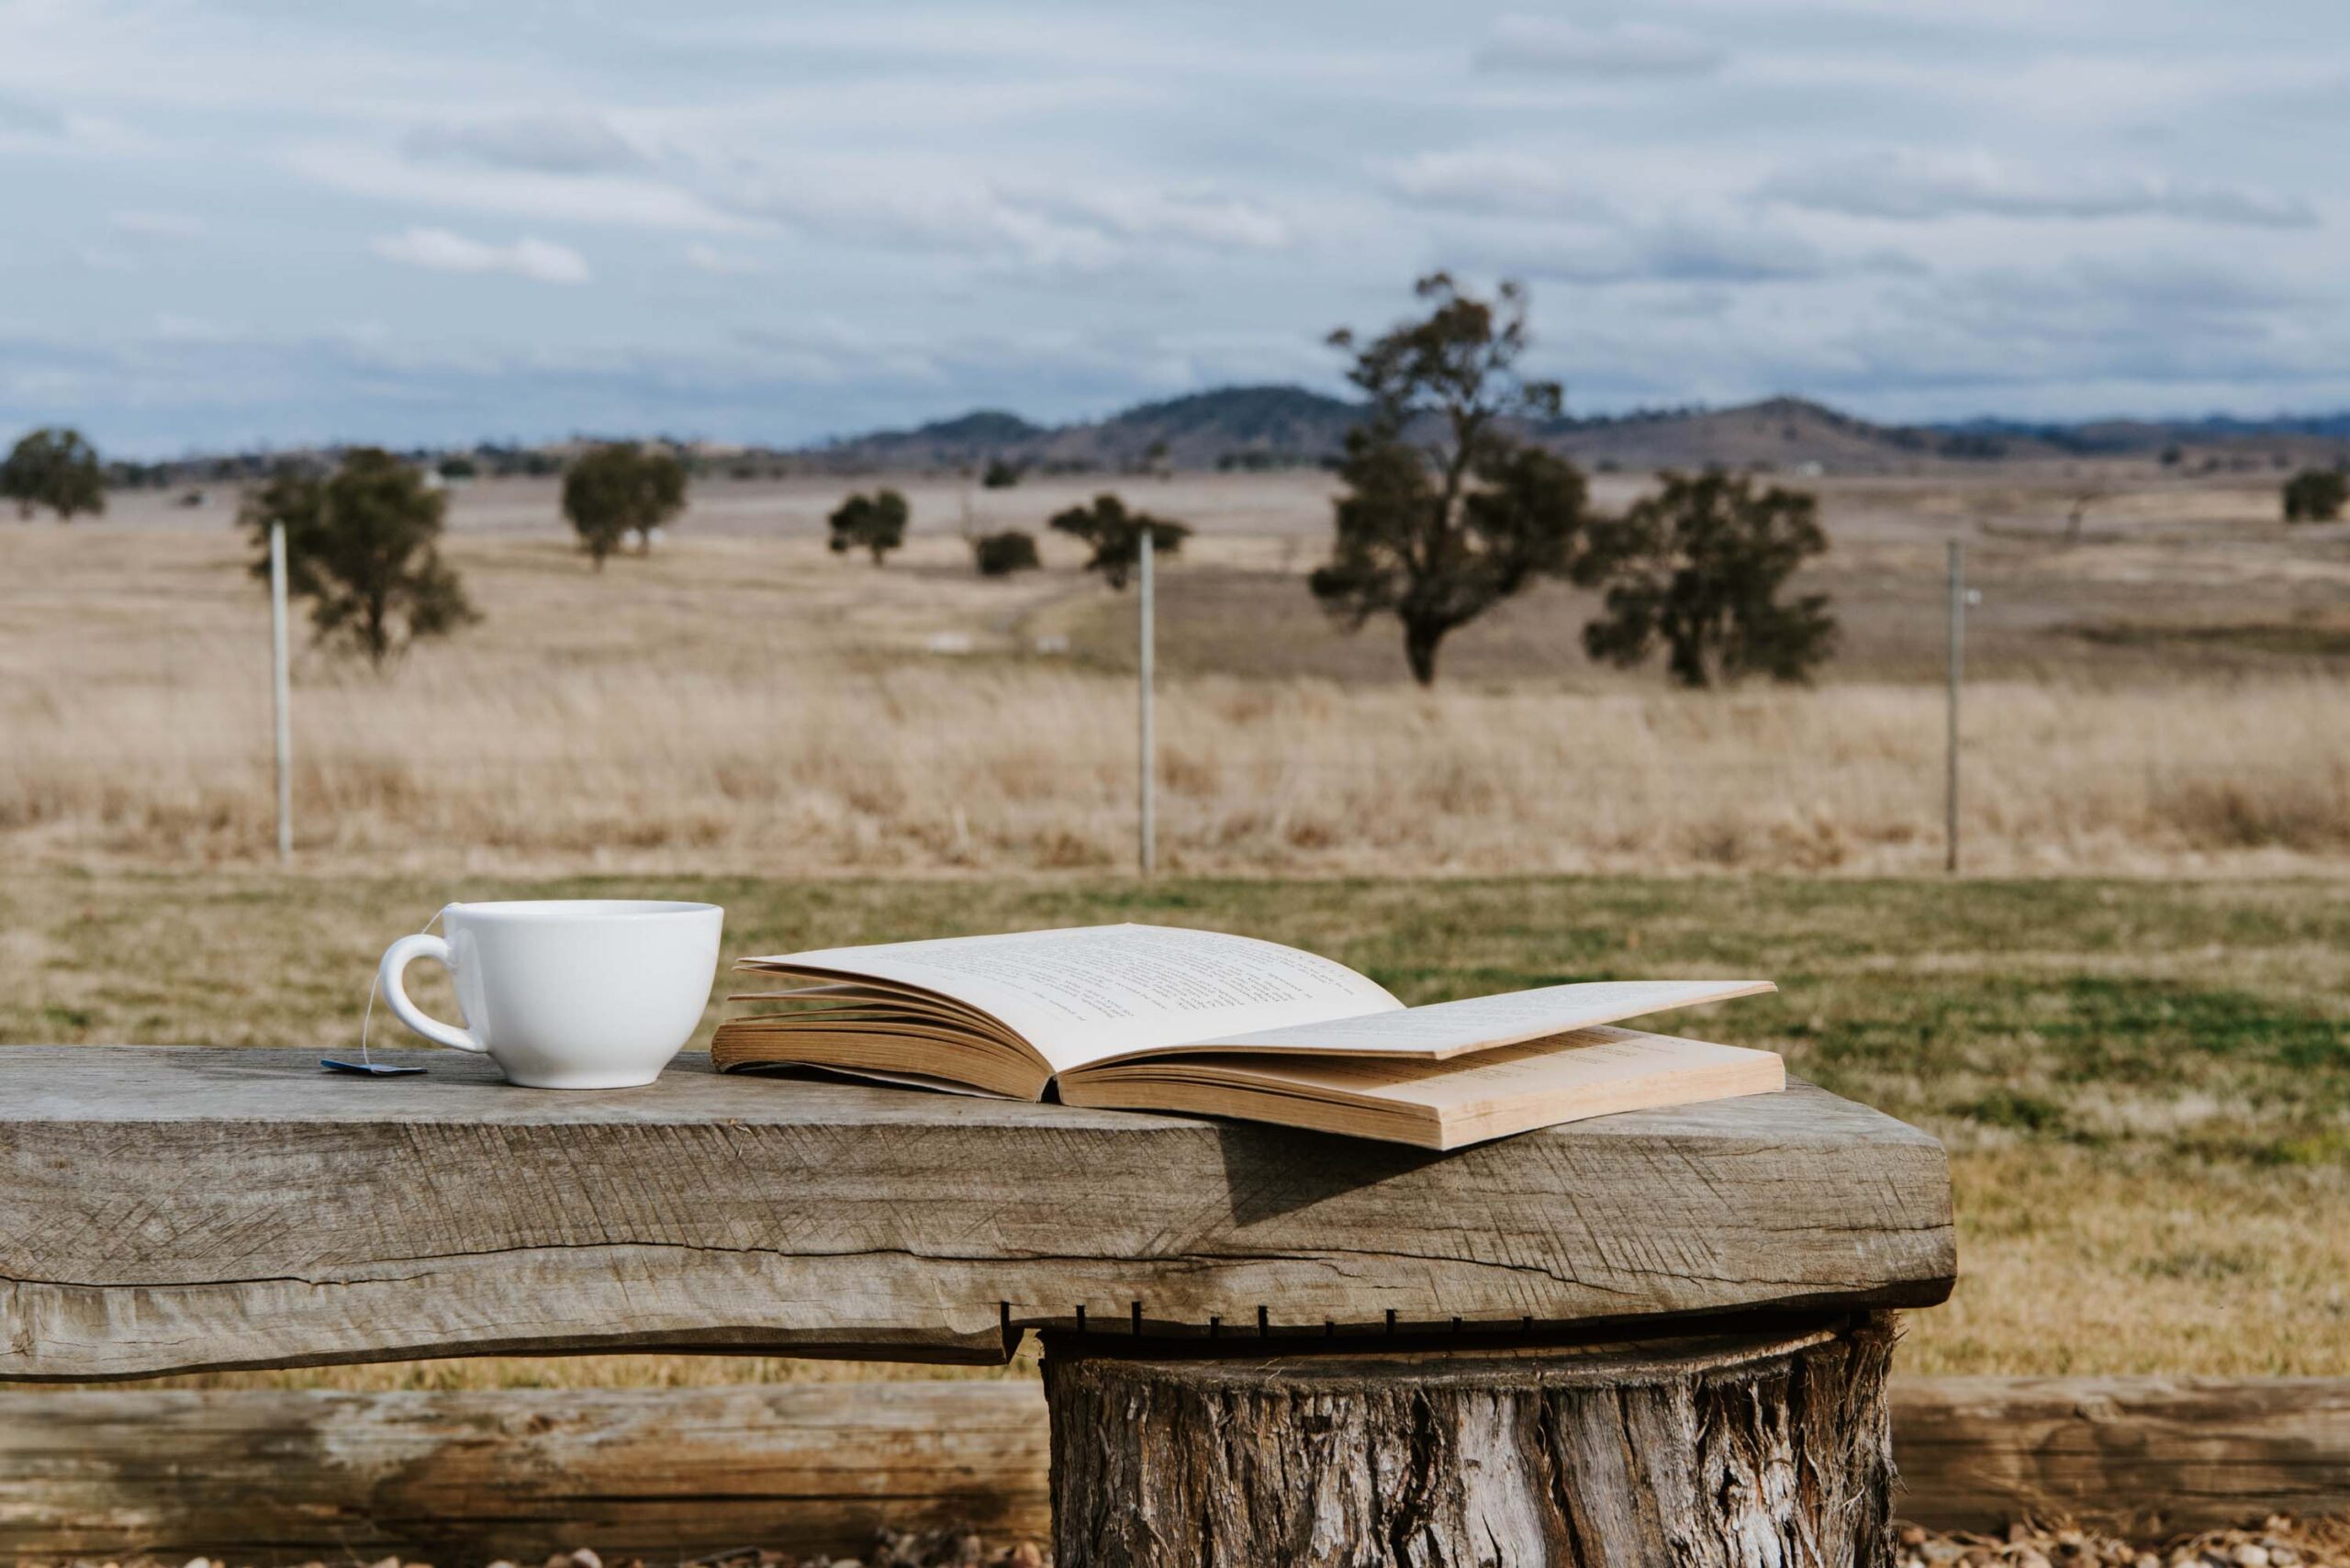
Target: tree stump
1766, 1448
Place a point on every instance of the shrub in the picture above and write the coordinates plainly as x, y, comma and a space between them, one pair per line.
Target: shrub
1116, 535
2315, 495
1000, 554
56, 469
876, 523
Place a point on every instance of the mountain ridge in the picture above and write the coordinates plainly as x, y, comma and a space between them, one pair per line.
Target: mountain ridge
1264, 426
1271, 426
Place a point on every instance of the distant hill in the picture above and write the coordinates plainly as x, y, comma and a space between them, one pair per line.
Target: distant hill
1285, 427
964, 442
1778, 433
1232, 426
1270, 427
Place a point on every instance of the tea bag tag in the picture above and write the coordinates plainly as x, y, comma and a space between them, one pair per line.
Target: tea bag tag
367, 1067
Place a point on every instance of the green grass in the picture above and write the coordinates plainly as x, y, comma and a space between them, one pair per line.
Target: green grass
2145, 1086
2103, 1013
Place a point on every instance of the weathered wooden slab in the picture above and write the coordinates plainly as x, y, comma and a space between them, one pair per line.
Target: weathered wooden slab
2155, 1454
271, 1474
171, 1209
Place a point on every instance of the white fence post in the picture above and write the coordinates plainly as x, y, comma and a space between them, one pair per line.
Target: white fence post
1149, 741
1957, 668
281, 688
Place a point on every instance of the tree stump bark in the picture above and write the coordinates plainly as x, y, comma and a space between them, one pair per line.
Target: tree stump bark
1771, 1448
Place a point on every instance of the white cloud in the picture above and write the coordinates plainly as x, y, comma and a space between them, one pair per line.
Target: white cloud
172, 327
721, 263
1549, 46
1492, 181
619, 201
964, 368
1681, 249
862, 204
2021, 333
1916, 186
1199, 216
29, 125
554, 141
438, 250
157, 225
922, 206
1528, 216
21, 117
1681, 181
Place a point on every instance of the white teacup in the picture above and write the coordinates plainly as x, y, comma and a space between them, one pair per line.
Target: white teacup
568, 993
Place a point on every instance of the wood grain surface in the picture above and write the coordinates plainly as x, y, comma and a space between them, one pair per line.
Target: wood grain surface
470, 1476
167, 1209
263, 1475
1711, 1453
2154, 1454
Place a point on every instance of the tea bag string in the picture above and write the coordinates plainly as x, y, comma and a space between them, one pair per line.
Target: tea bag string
374, 983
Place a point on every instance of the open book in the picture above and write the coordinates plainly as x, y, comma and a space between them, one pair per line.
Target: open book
1159, 1018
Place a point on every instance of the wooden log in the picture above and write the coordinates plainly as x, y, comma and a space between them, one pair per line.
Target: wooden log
1734, 1449
253, 1474
471, 1476
166, 1210
2149, 1454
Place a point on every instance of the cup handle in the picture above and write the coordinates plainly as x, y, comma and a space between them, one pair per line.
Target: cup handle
396, 958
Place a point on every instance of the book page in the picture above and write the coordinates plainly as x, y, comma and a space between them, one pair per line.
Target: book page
1083, 994
1536, 1083
1481, 1023
1567, 1073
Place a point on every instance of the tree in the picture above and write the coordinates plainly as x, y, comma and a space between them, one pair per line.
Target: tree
875, 522
2316, 494
56, 469
999, 474
1446, 513
1700, 567
1116, 535
610, 492
364, 547
1000, 554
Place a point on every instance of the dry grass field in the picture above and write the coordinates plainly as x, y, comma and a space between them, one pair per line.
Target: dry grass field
2144, 1086
2143, 1080
2161, 696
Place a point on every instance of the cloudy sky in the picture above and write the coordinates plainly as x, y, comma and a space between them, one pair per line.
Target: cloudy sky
280, 222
